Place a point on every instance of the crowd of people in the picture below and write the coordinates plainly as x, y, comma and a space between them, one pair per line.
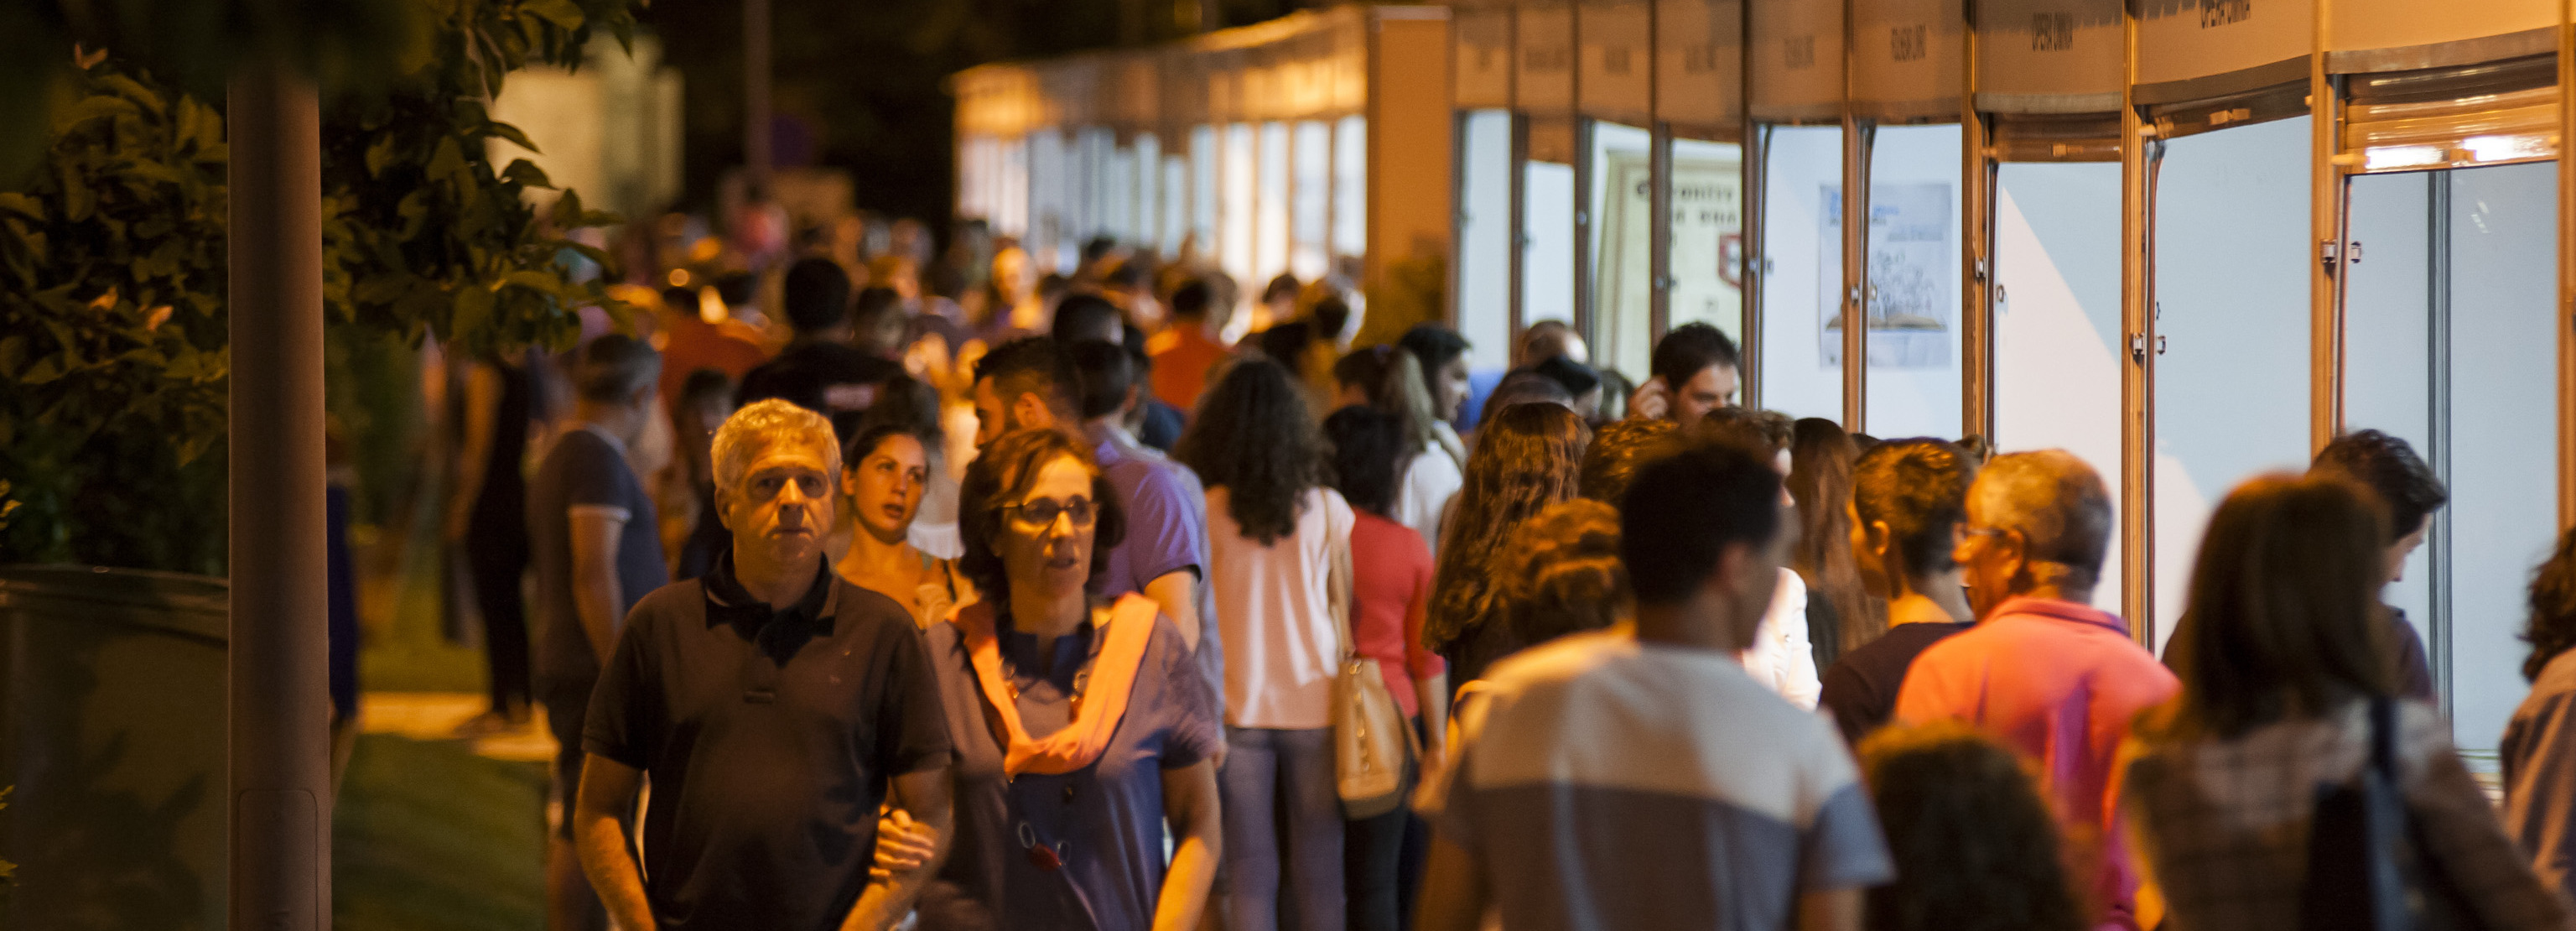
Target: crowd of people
1079, 605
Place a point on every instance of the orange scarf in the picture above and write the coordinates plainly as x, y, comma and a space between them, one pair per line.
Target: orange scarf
1096, 711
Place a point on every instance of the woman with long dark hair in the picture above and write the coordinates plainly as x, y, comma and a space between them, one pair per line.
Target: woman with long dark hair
1085, 734
1840, 616
1279, 570
1908, 498
884, 471
2285, 680
1390, 597
1527, 457
2539, 747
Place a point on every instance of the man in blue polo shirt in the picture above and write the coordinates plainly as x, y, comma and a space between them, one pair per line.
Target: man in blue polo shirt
775, 705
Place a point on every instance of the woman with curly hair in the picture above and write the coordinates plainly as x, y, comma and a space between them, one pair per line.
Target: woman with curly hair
2539, 748
1974, 844
1084, 733
1529, 457
1279, 548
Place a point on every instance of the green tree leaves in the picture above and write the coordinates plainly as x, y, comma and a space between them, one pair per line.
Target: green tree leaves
112, 266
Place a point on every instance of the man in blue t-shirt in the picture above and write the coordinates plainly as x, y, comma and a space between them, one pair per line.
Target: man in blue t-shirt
597, 550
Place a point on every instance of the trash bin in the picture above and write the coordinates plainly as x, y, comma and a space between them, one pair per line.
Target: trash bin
112, 728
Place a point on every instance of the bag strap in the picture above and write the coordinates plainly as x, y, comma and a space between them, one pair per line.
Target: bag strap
2383, 739
1337, 581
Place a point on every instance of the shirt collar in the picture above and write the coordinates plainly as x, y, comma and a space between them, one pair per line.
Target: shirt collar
1021, 650
1106, 443
725, 591
602, 433
2057, 609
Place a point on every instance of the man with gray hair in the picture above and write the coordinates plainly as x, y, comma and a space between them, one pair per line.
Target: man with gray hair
2043, 671
776, 707
596, 548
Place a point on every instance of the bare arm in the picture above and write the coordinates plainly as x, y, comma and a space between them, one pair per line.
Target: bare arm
1829, 910
1177, 594
1433, 695
608, 787
925, 796
1453, 892
1190, 806
595, 592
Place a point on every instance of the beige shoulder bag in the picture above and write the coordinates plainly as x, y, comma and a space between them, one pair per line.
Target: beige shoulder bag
1371, 740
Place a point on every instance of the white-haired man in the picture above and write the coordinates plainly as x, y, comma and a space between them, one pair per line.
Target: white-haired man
775, 707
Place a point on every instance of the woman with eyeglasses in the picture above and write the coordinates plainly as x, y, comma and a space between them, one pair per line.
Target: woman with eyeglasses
1279, 543
883, 475
1082, 727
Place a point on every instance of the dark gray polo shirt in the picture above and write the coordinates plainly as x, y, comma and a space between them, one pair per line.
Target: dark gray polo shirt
770, 737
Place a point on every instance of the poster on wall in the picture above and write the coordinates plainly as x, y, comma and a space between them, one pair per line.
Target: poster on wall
1708, 244
1622, 285
1707, 234
1909, 266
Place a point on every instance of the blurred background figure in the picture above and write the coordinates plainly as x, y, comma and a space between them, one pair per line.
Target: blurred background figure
1974, 845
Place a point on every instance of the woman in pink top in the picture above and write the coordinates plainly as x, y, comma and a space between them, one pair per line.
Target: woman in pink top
1391, 596
1277, 539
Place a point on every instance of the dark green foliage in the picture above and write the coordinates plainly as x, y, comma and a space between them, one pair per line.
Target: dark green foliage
112, 334
111, 302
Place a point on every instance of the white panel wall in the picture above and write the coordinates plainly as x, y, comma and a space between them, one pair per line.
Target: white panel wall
2232, 278
2057, 322
2388, 372
1485, 237
1547, 229
2503, 462
1801, 233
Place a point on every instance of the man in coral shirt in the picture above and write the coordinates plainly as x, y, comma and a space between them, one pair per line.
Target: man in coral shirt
2044, 671
1185, 353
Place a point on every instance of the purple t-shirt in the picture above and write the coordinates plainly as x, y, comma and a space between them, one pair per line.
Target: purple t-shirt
1105, 820
1166, 512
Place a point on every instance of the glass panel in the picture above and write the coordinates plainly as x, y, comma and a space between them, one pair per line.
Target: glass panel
1350, 188
1118, 196
1707, 237
1176, 205
2388, 319
1148, 169
1012, 213
1801, 360
1485, 238
2504, 241
1234, 247
1204, 158
1270, 230
2231, 380
2057, 321
1622, 248
1049, 190
1547, 242
1913, 282
1311, 199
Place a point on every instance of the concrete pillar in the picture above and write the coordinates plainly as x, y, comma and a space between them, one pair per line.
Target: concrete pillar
279, 688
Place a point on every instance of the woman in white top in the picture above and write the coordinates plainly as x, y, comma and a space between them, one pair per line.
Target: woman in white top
1781, 656
1434, 465
1279, 546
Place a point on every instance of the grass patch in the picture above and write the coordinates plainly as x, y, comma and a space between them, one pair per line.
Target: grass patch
430, 837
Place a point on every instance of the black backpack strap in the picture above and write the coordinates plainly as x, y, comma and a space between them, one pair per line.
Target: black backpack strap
2383, 740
